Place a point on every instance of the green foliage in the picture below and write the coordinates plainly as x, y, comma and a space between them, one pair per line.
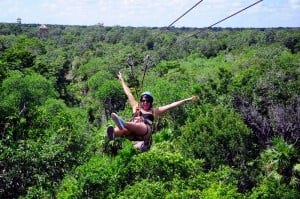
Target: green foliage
22, 53
144, 189
184, 194
99, 177
110, 95
50, 150
52, 63
57, 93
68, 188
21, 94
266, 94
270, 188
91, 67
218, 135
164, 67
276, 164
97, 80
213, 184
281, 157
32, 89
219, 190
162, 166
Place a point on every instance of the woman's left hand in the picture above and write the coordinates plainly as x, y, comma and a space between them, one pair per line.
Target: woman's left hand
193, 99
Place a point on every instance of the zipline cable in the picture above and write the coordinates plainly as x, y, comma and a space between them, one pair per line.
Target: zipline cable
148, 57
179, 18
235, 13
185, 13
224, 19
147, 61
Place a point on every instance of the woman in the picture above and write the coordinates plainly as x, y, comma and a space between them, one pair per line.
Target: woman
140, 126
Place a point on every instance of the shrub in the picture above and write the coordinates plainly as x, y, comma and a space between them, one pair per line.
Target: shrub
218, 135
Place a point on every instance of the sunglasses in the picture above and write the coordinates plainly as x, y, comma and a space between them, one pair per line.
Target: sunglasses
145, 101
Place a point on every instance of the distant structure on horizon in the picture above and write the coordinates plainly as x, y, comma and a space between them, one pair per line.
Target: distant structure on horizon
100, 24
19, 20
43, 31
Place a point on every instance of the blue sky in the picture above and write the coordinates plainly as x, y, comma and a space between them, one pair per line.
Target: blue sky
152, 13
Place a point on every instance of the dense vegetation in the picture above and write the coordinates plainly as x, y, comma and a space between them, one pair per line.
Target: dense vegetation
239, 140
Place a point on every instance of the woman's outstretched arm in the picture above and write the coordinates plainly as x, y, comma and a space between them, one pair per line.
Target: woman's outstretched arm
127, 91
165, 108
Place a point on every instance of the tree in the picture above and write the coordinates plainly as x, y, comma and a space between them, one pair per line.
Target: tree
21, 95
217, 135
111, 96
267, 97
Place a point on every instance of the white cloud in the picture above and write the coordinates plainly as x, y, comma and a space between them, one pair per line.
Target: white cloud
295, 4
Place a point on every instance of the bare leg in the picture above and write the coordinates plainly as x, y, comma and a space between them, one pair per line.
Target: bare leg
121, 132
138, 128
